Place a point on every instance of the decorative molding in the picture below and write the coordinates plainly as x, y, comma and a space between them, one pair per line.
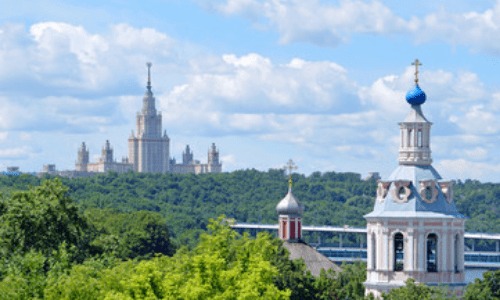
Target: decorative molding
447, 189
383, 189
425, 186
401, 191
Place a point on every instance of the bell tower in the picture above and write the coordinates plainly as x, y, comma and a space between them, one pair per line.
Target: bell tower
415, 230
290, 212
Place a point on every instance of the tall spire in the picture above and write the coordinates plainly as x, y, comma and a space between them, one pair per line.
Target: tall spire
148, 102
149, 75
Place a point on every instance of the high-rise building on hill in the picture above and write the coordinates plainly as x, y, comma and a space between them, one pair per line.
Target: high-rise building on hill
148, 148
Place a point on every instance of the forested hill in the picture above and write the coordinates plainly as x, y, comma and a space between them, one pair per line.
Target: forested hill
188, 201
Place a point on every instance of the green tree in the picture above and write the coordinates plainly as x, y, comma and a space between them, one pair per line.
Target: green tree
40, 219
411, 291
486, 288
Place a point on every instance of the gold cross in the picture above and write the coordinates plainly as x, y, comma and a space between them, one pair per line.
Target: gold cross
290, 165
416, 63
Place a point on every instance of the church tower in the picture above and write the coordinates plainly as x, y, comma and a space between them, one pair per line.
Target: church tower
149, 150
415, 230
290, 213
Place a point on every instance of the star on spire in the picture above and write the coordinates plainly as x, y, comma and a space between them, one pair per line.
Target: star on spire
416, 63
290, 166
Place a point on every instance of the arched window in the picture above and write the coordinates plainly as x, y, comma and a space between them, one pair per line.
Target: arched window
374, 251
432, 253
399, 252
409, 142
457, 253
419, 138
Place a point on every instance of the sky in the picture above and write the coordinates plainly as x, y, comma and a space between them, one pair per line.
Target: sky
320, 82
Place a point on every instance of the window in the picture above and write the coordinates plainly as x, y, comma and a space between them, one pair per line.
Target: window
432, 253
419, 138
398, 252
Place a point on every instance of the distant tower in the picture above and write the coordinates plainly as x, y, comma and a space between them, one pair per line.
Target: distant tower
107, 153
415, 230
83, 158
149, 150
214, 165
290, 213
187, 156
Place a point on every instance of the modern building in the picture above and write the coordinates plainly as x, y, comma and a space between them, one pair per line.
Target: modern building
148, 148
415, 230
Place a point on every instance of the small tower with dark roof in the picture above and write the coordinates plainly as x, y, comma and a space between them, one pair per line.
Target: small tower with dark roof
290, 213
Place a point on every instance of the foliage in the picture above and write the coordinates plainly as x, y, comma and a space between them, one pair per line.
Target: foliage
138, 234
486, 288
224, 265
40, 219
411, 291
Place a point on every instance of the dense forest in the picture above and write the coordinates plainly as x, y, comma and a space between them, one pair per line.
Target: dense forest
187, 201
157, 236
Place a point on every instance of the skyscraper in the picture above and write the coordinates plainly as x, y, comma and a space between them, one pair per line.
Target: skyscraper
149, 150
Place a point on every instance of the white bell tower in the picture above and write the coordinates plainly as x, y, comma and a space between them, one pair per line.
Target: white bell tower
415, 230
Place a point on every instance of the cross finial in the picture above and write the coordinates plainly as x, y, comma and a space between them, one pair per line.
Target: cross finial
416, 63
290, 166
149, 74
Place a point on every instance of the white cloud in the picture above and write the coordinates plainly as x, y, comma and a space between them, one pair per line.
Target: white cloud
478, 120
465, 169
327, 24
15, 153
250, 93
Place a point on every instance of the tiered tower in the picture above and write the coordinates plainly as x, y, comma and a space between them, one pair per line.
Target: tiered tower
149, 150
214, 165
290, 213
107, 153
187, 156
415, 230
83, 158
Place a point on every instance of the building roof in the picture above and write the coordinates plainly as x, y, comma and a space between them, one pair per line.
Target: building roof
414, 206
314, 260
415, 95
290, 205
416, 115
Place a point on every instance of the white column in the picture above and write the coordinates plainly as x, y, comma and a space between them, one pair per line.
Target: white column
421, 251
385, 252
461, 258
369, 251
410, 256
444, 255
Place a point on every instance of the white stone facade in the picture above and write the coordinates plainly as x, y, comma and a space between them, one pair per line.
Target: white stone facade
382, 274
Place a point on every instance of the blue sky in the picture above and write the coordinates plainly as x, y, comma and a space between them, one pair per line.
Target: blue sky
320, 82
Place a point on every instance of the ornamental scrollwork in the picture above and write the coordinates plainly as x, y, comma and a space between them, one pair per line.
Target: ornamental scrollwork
401, 191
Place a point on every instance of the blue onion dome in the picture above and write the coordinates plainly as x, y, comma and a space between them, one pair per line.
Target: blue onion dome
415, 95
